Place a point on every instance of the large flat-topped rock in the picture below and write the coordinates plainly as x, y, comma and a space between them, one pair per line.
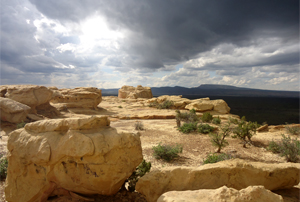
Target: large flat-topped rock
237, 174
83, 97
134, 93
81, 155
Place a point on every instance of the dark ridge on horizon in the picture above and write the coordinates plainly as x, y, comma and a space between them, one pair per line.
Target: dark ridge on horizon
215, 90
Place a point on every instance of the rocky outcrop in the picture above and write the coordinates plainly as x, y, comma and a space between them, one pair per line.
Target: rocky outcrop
237, 174
80, 155
13, 111
36, 97
200, 105
134, 93
83, 97
225, 194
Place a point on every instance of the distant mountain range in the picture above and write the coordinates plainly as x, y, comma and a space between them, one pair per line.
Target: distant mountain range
213, 90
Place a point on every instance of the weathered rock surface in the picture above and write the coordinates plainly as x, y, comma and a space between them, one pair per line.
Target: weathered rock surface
81, 155
201, 106
224, 194
263, 128
31, 95
83, 97
237, 174
134, 93
13, 111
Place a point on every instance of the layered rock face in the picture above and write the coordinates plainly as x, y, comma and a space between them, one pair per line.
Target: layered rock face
225, 194
36, 97
134, 93
82, 155
13, 111
83, 97
237, 174
200, 105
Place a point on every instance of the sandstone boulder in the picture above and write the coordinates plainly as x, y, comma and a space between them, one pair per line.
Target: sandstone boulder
263, 128
81, 155
236, 173
83, 97
13, 111
220, 106
200, 106
225, 194
134, 93
31, 95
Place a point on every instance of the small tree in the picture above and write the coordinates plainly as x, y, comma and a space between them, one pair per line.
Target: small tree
188, 117
218, 139
139, 172
206, 117
245, 130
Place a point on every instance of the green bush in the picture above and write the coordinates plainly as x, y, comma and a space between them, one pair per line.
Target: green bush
293, 130
289, 148
216, 121
214, 158
139, 172
233, 120
205, 128
153, 104
188, 127
245, 130
3, 168
167, 104
21, 125
120, 106
139, 126
206, 117
166, 152
218, 139
273, 147
188, 117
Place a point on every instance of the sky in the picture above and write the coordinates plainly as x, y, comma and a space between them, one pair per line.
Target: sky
111, 43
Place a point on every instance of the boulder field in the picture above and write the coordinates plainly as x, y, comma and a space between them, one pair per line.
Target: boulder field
80, 155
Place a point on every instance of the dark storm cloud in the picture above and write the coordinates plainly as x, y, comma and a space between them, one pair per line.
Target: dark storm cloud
168, 32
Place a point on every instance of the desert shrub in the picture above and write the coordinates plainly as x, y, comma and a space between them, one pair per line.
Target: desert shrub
205, 128
139, 172
153, 104
274, 147
293, 130
245, 130
218, 139
290, 148
188, 127
216, 120
166, 152
120, 106
206, 117
3, 168
188, 117
139, 126
21, 125
233, 120
167, 104
214, 158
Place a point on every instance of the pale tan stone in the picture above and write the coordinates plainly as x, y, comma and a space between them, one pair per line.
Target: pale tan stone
81, 155
236, 173
83, 97
134, 93
220, 106
13, 111
30, 95
263, 128
224, 194
200, 106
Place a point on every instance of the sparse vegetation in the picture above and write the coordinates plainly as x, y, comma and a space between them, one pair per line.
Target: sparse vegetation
214, 158
188, 127
3, 167
293, 130
120, 106
153, 104
288, 147
139, 126
188, 117
205, 128
218, 139
233, 120
166, 152
167, 104
216, 120
21, 125
245, 131
207, 117
139, 172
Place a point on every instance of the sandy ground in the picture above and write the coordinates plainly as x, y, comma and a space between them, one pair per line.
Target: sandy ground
162, 129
